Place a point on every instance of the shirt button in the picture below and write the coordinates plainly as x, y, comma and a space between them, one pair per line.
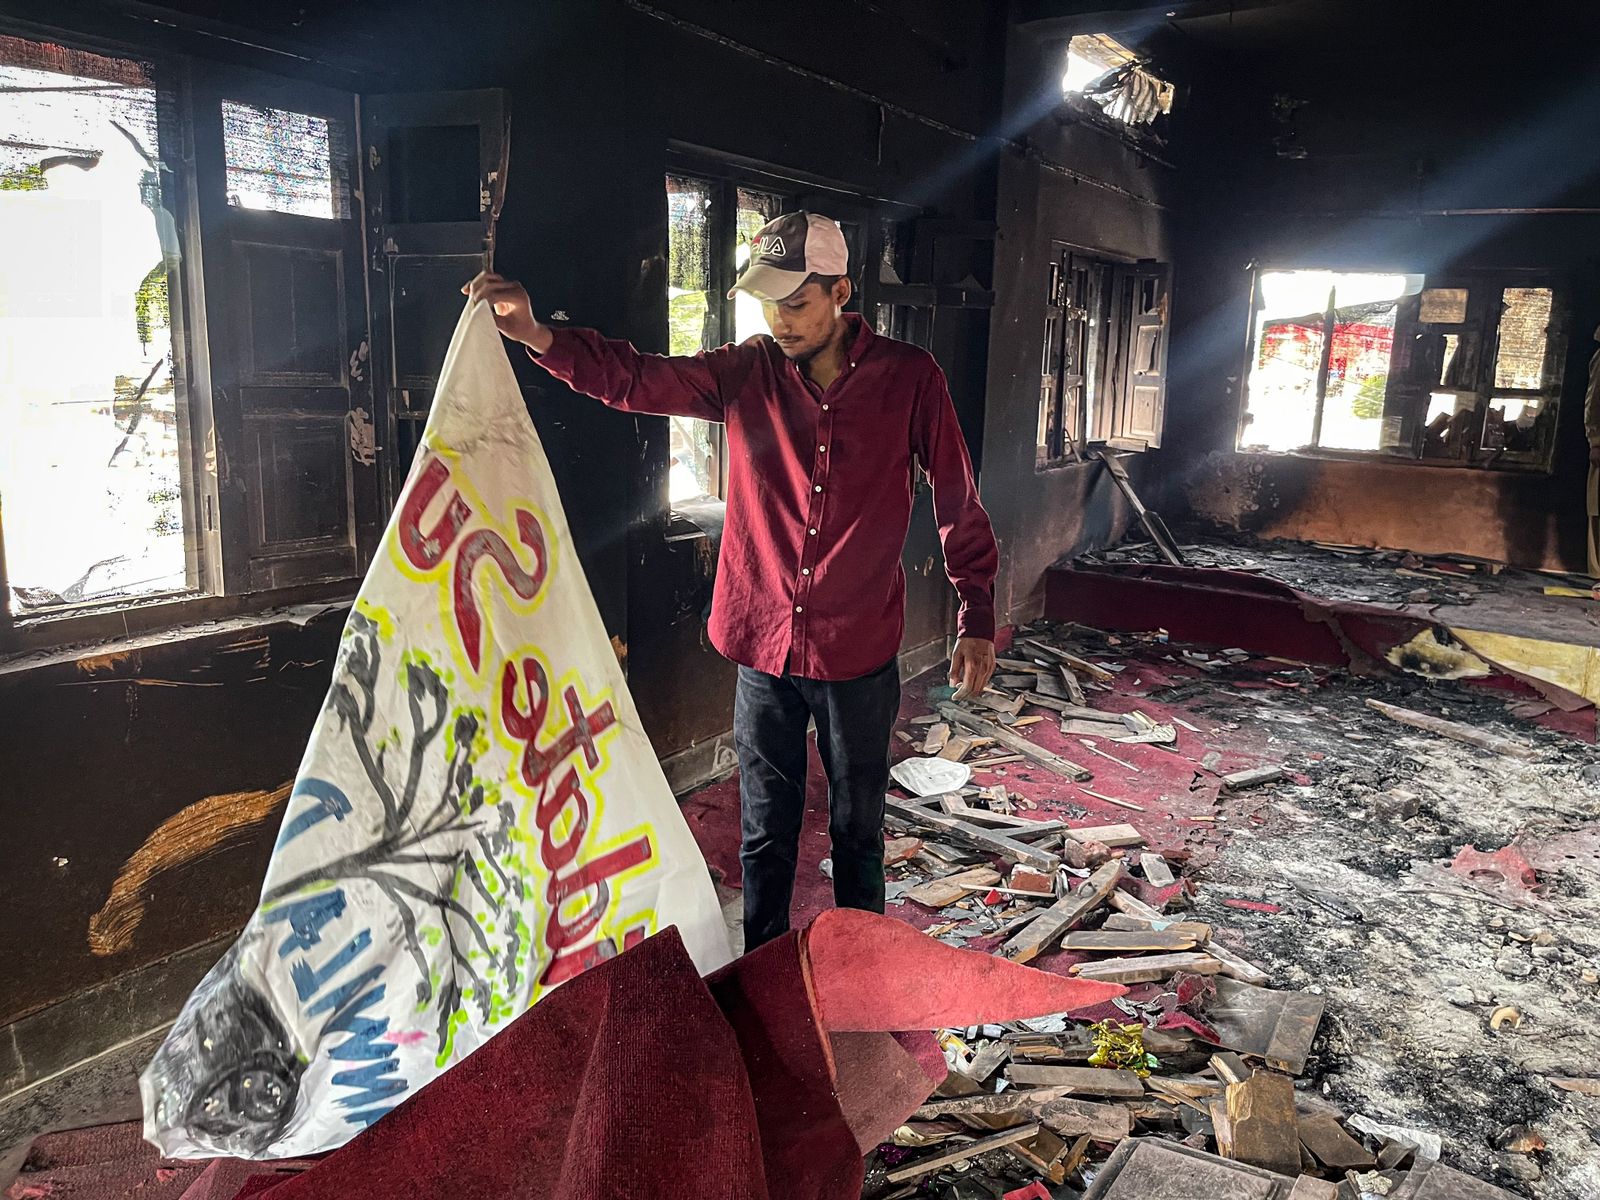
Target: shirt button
812, 532
822, 449
805, 570
818, 488
824, 408
797, 608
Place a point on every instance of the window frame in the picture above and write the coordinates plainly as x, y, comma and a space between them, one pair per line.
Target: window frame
722, 233
1405, 399
193, 170
1099, 413
218, 590
204, 598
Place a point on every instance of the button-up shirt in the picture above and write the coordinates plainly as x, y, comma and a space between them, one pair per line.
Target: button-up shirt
820, 486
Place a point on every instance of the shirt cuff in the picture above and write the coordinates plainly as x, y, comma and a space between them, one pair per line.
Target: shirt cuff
974, 621
559, 359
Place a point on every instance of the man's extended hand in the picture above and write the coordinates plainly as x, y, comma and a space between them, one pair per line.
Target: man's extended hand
513, 311
971, 665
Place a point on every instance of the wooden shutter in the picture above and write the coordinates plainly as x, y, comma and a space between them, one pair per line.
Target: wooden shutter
434, 168
1142, 295
285, 328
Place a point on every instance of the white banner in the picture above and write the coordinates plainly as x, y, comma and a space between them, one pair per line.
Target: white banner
478, 817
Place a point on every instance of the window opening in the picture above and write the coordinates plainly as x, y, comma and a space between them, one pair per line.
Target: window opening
1524, 337
279, 161
1324, 343
92, 463
754, 210
1116, 79
1371, 362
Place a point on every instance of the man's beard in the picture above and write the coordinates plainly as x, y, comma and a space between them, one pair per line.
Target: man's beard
801, 357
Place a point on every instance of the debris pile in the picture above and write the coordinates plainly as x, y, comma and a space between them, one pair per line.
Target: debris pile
1361, 574
1194, 1074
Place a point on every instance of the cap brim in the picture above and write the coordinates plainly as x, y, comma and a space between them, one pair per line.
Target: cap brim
769, 283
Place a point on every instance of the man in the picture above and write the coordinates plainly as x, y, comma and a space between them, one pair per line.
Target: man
1591, 428
824, 419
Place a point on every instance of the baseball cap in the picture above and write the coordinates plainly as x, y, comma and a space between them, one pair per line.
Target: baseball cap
787, 251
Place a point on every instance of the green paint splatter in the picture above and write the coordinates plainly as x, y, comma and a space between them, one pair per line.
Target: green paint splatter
378, 616
447, 1051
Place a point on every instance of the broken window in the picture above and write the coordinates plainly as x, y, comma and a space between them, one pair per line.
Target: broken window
280, 161
94, 466
1524, 337
713, 214
1115, 79
711, 226
1464, 371
1103, 356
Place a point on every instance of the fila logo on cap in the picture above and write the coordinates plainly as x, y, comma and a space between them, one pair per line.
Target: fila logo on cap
788, 250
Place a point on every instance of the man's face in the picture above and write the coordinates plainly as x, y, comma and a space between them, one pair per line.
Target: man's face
804, 323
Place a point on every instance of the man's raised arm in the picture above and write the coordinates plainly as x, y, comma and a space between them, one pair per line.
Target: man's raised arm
609, 370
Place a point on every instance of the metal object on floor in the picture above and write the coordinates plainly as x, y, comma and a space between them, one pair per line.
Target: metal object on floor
1151, 520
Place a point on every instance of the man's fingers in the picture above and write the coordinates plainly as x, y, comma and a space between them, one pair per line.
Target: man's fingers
958, 674
971, 684
493, 288
499, 293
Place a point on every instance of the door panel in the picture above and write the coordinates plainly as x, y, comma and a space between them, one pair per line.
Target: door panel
286, 328
434, 179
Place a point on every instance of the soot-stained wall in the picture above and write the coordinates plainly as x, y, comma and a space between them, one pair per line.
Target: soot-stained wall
1413, 151
1115, 201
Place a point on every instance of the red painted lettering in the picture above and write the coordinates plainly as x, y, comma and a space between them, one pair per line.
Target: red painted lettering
427, 550
524, 726
569, 963
486, 543
614, 862
537, 764
558, 855
559, 933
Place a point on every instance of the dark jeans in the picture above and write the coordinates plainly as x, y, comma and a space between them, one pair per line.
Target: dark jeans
854, 718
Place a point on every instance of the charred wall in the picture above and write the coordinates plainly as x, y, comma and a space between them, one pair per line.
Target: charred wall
1411, 148
1083, 186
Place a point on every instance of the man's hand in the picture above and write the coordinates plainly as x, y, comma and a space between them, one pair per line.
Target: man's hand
1594, 455
971, 666
513, 311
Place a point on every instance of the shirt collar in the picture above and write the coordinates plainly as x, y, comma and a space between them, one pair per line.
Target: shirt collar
860, 336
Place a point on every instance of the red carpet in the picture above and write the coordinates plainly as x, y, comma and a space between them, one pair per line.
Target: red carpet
765, 1081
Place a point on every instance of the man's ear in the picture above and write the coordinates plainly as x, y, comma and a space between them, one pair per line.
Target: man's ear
842, 291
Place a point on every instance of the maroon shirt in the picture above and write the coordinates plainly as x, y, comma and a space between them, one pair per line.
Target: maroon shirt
819, 490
